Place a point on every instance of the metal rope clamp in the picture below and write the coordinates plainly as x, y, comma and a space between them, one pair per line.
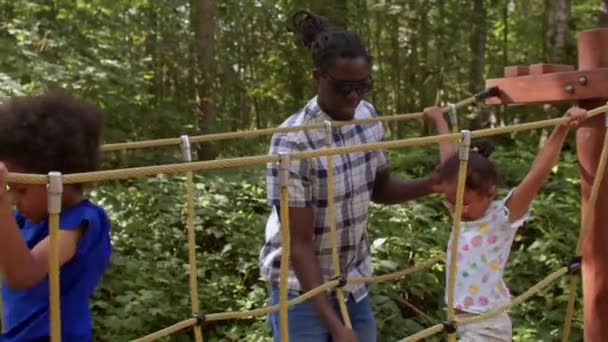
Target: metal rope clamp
342, 281
449, 327
452, 114
574, 264
200, 318
465, 144
186, 148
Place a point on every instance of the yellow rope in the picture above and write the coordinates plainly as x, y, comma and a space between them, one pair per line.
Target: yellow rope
198, 336
595, 189
54, 278
518, 300
462, 177
193, 269
300, 299
569, 309
331, 217
489, 314
246, 161
268, 131
396, 275
434, 330
260, 160
168, 331
417, 311
285, 245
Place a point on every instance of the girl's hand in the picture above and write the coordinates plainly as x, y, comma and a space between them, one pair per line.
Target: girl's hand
575, 116
435, 114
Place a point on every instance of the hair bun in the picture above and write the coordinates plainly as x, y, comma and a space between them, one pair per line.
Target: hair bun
485, 148
309, 27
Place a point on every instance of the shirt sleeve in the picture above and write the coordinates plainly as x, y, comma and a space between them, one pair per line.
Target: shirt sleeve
19, 219
381, 156
93, 222
300, 180
520, 221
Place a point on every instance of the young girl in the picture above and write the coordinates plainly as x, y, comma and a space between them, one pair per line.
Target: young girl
489, 225
52, 132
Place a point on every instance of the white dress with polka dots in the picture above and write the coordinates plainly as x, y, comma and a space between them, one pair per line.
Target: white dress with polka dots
483, 250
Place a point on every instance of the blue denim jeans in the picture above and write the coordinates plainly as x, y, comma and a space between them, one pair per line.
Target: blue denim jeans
306, 326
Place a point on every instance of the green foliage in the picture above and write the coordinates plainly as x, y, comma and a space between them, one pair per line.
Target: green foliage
138, 59
146, 288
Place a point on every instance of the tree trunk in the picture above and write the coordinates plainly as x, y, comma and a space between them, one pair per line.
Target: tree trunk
505, 36
396, 66
478, 39
557, 35
478, 47
602, 20
207, 108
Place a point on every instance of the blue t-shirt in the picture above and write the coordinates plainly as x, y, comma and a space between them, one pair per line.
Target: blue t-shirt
26, 312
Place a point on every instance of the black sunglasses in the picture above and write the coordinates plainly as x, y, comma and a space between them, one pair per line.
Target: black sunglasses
361, 87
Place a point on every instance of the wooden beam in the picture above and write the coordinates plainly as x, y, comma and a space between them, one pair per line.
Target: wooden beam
544, 68
517, 70
553, 87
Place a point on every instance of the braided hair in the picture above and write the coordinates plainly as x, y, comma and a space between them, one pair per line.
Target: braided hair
327, 43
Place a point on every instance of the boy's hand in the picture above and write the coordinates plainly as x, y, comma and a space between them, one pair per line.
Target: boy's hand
575, 116
434, 114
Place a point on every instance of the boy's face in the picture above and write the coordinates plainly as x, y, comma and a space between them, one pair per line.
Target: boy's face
474, 202
30, 199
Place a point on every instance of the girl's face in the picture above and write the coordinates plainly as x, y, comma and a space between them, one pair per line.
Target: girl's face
475, 203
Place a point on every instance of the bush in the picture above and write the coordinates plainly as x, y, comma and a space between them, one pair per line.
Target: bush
146, 287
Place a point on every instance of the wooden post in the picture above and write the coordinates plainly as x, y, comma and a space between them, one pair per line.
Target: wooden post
593, 54
554, 83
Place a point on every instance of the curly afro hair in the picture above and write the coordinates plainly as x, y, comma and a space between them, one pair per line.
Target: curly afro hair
50, 132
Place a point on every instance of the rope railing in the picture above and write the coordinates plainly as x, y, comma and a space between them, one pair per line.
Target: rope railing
222, 316
460, 187
284, 161
147, 171
489, 314
331, 217
192, 268
269, 131
56, 181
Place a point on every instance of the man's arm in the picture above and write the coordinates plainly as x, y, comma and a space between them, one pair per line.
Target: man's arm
390, 190
306, 265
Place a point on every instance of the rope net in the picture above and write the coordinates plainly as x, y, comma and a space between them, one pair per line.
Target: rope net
197, 320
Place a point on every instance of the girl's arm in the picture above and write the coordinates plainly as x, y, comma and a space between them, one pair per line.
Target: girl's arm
435, 114
526, 191
22, 268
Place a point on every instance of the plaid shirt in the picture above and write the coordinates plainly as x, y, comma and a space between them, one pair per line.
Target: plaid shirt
354, 176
